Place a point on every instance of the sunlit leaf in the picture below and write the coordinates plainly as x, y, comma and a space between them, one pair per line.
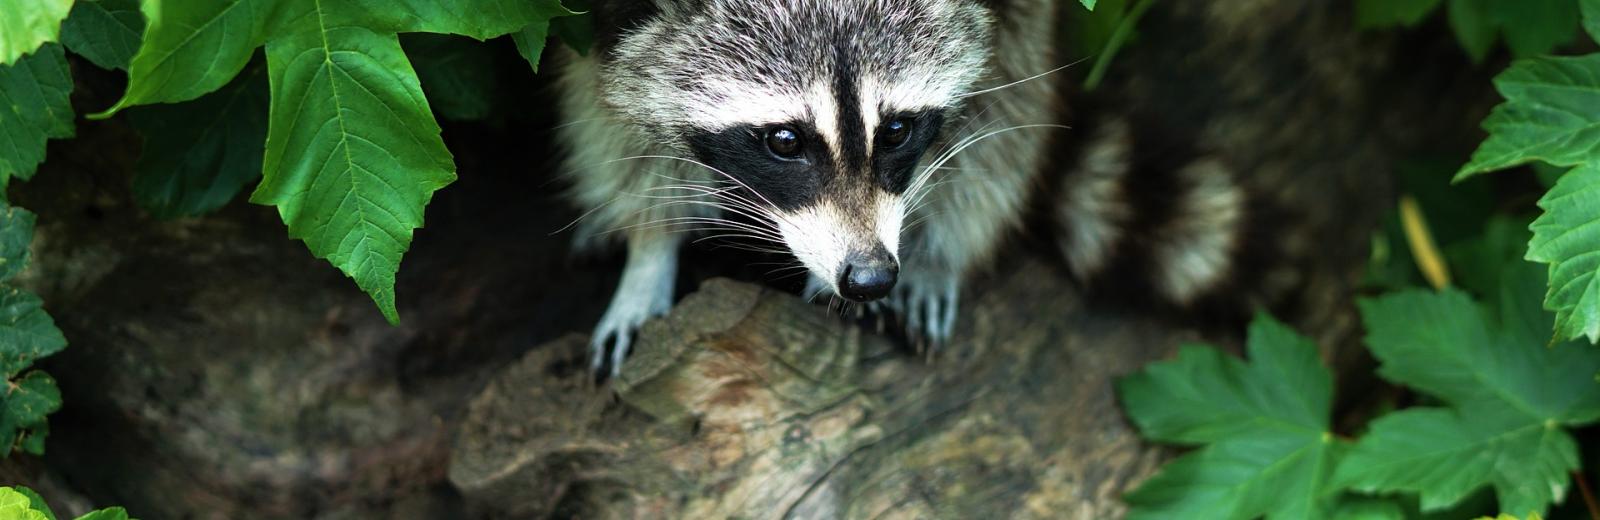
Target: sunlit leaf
26, 25
353, 152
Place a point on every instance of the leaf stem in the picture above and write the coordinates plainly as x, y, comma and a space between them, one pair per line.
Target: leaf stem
1588, 495
1423, 248
1118, 39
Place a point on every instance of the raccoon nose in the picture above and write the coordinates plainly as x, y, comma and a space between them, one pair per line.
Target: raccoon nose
864, 279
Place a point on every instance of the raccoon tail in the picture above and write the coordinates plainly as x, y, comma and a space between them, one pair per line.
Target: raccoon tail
1152, 221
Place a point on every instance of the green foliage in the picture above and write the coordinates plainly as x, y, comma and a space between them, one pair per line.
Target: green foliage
1567, 237
24, 29
1363, 508
192, 47
27, 334
200, 155
1120, 35
36, 502
1551, 118
1529, 28
1263, 427
1475, 29
21, 503
1508, 398
1387, 13
110, 513
460, 79
560, 21
17, 506
352, 154
1477, 262
1591, 17
1506, 403
1551, 114
1088, 4
33, 109
1533, 28
106, 32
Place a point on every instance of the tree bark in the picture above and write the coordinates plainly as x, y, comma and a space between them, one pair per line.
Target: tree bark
747, 402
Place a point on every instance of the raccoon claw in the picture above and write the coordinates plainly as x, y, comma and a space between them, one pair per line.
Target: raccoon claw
929, 314
614, 338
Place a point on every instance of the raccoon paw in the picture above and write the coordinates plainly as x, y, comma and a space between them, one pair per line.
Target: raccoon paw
614, 336
927, 306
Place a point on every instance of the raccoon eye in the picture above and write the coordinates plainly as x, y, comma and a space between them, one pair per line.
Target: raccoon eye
784, 142
896, 133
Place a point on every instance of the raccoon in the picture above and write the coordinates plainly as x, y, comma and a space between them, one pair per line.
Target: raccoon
889, 145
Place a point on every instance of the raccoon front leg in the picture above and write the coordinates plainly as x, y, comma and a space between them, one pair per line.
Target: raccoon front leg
644, 292
963, 221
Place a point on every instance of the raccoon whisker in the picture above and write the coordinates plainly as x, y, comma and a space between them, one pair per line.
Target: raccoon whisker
787, 276
951, 148
737, 207
578, 122
689, 221
735, 245
727, 245
1023, 80
766, 226
968, 124
725, 225
708, 167
921, 201
967, 143
585, 215
720, 193
788, 270
698, 191
919, 221
754, 211
711, 225
613, 200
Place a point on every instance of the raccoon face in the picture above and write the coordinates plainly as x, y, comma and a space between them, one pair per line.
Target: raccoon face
820, 110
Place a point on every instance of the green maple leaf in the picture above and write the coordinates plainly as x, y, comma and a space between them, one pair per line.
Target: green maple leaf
106, 32
1551, 114
199, 155
1510, 398
33, 109
1263, 429
1567, 238
26, 334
